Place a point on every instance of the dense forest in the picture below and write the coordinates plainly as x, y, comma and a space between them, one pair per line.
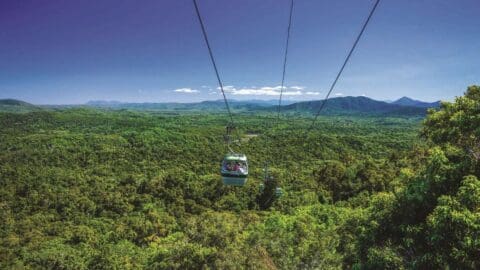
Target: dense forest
86, 188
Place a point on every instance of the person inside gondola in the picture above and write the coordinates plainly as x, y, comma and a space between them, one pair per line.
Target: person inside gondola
236, 167
242, 168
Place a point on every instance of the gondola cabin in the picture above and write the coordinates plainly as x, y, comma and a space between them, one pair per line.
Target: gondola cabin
278, 192
234, 170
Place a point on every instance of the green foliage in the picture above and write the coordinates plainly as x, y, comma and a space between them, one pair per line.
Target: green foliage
454, 227
17, 106
433, 222
456, 123
99, 189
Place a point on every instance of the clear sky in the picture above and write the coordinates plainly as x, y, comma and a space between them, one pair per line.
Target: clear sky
70, 52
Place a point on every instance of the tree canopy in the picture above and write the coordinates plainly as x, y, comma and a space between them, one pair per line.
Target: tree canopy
118, 189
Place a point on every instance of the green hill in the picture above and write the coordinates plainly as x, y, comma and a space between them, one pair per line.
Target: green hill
355, 106
17, 106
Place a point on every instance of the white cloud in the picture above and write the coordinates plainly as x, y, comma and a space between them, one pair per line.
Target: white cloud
212, 93
186, 90
338, 94
292, 93
261, 91
266, 91
276, 88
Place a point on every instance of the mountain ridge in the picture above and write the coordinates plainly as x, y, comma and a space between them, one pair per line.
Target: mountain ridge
356, 105
406, 101
335, 106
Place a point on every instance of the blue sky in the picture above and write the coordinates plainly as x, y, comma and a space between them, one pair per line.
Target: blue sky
70, 52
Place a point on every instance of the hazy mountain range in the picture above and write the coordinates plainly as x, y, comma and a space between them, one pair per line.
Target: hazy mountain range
364, 106
406, 101
335, 106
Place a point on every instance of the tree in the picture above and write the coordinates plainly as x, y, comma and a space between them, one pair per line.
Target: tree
457, 124
454, 227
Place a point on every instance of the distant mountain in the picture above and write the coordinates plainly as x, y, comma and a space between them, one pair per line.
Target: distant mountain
190, 105
209, 105
269, 102
103, 103
14, 105
14, 102
355, 106
406, 101
335, 106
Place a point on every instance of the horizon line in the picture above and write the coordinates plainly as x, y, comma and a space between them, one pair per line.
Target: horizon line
207, 100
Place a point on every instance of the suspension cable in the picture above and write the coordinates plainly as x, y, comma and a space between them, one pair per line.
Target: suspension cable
285, 60
343, 66
213, 62
275, 121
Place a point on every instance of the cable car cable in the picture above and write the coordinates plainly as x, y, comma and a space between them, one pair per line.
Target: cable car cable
287, 42
285, 57
231, 126
277, 119
343, 65
212, 58
239, 177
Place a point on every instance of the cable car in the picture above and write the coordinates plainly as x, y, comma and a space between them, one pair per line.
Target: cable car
278, 192
234, 169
